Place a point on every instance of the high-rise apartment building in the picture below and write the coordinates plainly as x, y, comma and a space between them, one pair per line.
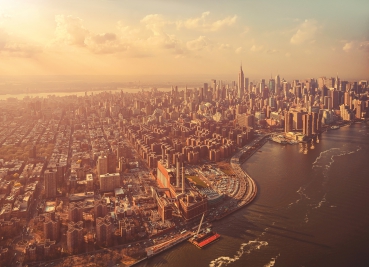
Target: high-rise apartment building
75, 237
102, 165
51, 228
50, 183
104, 228
109, 181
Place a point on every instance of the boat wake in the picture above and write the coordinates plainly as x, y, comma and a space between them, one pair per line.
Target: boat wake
321, 202
245, 248
302, 194
272, 261
326, 158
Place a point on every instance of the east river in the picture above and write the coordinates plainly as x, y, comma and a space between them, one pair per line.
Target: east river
311, 210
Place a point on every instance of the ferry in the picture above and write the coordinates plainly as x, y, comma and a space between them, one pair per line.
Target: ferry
335, 127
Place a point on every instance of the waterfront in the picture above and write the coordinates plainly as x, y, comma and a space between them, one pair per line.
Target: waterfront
311, 210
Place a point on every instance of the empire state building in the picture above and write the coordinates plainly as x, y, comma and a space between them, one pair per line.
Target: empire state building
241, 83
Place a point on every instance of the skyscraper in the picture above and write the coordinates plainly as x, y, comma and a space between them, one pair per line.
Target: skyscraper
241, 85
50, 183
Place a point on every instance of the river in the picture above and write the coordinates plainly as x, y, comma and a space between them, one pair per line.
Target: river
311, 210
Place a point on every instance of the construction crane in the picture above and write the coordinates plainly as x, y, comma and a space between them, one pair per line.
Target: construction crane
202, 218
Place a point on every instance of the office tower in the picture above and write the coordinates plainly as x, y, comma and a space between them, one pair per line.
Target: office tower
288, 121
261, 86
307, 124
321, 82
241, 80
347, 99
201, 96
314, 127
247, 88
327, 102
271, 86
277, 84
329, 83
102, 165
50, 183
343, 85
335, 98
75, 237
337, 83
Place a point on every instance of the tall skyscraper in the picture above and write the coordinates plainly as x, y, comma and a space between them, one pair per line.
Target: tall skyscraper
241, 81
102, 165
272, 86
50, 183
247, 85
277, 84
307, 121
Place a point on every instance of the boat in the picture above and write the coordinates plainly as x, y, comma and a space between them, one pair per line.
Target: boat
204, 239
201, 240
335, 127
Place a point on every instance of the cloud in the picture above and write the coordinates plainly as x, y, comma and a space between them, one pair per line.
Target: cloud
356, 45
198, 44
16, 49
71, 31
155, 23
348, 46
287, 54
305, 32
201, 23
239, 50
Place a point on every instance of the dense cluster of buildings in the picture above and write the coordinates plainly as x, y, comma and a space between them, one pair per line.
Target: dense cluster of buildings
106, 169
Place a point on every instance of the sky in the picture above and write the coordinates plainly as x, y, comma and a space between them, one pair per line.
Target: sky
292, 38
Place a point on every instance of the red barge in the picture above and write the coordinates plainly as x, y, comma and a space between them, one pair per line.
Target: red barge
205, 239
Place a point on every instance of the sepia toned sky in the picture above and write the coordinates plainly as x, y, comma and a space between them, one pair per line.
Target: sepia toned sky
185, 37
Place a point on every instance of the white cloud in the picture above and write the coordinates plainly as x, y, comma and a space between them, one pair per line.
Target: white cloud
239, 50
348, 46
306, 32
203, 24
198, 44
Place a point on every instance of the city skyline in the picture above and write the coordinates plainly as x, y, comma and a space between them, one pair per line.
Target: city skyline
178, 38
